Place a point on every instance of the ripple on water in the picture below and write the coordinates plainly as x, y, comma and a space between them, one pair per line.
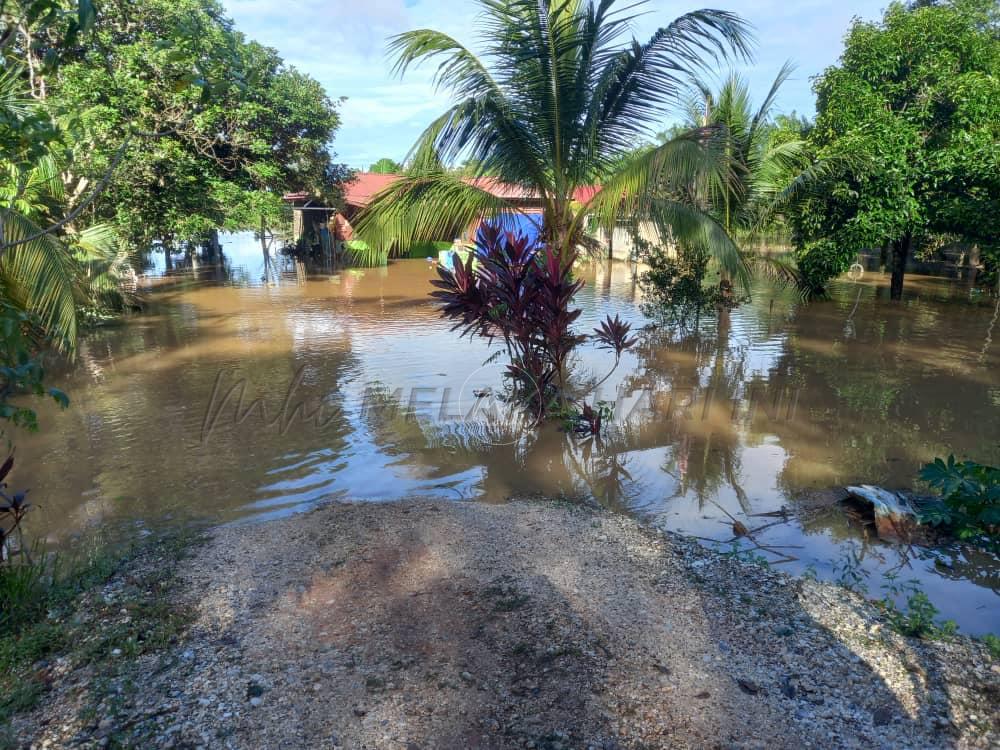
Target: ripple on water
738, 413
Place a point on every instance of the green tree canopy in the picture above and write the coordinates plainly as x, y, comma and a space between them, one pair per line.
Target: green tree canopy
155, 120
386, 165
912, 113
217, 127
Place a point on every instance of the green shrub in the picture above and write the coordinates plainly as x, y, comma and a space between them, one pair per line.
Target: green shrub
918, 619
969, 502
820, 261
675, 286
421, 250
992, 645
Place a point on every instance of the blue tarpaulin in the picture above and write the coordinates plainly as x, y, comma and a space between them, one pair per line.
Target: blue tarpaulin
528, 225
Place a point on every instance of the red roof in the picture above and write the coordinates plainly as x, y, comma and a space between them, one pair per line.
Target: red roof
360, 191
365, 185
504, 190
585, 193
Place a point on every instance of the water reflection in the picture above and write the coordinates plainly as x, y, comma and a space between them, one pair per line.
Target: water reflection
741, 414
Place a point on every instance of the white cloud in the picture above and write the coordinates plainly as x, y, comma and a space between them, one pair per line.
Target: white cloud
341, 43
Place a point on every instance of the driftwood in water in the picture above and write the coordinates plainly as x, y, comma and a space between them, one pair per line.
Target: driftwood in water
895, 517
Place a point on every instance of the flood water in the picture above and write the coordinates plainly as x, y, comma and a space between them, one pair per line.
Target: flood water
353, 387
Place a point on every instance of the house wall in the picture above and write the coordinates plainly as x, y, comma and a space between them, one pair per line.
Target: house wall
622, 246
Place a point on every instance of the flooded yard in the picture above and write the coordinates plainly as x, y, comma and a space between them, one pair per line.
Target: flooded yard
255, 390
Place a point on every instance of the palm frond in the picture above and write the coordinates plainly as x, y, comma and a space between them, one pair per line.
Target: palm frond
40, 276
767, 105
98, 242
459, 71
777, 269
653, 187
671, 168
789, 183
687, 226
646, 80
106, 268
14, 102
424, 207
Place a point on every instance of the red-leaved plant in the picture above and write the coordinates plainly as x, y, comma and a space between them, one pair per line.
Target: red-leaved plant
519, 291
12, 510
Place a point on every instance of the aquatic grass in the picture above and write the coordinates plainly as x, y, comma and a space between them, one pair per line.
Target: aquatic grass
918, 617
992, 645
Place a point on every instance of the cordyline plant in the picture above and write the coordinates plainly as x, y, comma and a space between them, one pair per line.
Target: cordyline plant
519, 291
13, 507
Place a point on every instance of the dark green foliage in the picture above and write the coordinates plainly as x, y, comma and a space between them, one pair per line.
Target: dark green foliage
220, 127
970, 497
21, 373
675, 286
160, 123
910, 119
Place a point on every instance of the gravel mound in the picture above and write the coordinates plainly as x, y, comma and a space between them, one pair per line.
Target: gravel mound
425, 625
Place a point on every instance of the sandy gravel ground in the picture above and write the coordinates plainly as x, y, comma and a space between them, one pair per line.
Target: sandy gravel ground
426, 625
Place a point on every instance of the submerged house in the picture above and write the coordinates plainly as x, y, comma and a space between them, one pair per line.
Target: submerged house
311, 222
359, 192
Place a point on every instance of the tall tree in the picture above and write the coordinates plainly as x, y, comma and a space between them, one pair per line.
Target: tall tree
763, 164
160, 124
226, 126
768, 164
561, 93
386, 165
912, 113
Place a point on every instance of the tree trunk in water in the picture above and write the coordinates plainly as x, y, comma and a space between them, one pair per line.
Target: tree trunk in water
214, 246
883, 258
900, 254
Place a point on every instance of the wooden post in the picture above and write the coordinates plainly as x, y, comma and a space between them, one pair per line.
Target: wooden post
298, 225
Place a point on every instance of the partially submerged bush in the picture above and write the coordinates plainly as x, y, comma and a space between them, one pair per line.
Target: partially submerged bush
969, 502
519, 291
675, 285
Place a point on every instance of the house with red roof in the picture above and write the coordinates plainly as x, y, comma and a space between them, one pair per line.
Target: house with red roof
359, 192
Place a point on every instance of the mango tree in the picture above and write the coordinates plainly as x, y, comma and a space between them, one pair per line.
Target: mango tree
912, 115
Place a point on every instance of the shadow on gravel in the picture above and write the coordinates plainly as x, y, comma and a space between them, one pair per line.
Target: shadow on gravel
451, 626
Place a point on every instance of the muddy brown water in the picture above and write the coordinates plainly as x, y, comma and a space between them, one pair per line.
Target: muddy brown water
353, 387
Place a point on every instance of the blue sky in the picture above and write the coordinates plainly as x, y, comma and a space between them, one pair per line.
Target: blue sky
341, 43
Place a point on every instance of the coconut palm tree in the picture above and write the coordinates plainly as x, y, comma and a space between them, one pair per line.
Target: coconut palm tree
48, 267
763, 168
37, 271
767, 168
558, 99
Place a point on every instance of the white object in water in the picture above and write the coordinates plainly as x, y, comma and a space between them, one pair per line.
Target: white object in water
895, 518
